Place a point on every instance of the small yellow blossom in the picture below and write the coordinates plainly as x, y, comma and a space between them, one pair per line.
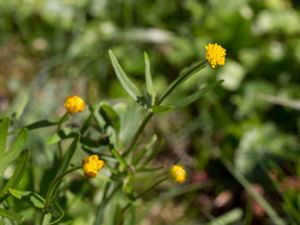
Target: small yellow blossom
215, 54
178, 174
92, 165
74, 104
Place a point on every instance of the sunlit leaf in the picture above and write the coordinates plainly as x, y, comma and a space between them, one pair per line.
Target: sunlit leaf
230, 217
149, 83
126, 83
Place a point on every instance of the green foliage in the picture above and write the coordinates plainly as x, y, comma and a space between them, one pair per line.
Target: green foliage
246, 111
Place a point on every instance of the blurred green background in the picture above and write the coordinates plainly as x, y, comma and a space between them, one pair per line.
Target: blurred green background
50, 49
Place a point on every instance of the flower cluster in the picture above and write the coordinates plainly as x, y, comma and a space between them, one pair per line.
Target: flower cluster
215, 55
92, 165
178, 174
74, 104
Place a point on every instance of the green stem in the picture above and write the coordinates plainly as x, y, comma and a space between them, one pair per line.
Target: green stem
182, 78
139, 196
138, 132
63, 119
105, 199
186, 74
52, 189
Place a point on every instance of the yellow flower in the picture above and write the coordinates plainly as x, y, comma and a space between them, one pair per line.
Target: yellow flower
215, 54
92, 165
74, 104
178, 174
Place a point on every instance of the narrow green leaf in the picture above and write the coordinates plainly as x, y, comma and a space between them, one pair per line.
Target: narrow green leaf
10, 215
69, 155
195, 96
62, 134
145, 151
3, 134
162, 108
18, 174
14, 151
88, 120
110, 115
56, 211
126, 83
30, 197
41, 124
20, 102
254, 194
149, 83
118, 156
230, 217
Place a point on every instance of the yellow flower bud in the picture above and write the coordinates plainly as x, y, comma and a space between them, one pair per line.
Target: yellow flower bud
92, 165
178, 174
74, 104
215, 55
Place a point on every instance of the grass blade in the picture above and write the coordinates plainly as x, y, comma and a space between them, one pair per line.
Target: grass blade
254, 194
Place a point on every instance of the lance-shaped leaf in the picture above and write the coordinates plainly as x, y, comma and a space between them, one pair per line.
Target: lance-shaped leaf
3, 134
14, 151
195, 96
41, 124
109, 115
149, 83
30, 197
10, 215
126, 83
17, 175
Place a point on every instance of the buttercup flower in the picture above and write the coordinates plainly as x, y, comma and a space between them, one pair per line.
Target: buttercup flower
215, 55
74, 104
92, 165
178, 174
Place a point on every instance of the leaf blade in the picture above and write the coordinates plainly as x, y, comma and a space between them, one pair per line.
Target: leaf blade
126, 83
14, 150
18, 174
10, 215
4, 125
195, 96
148, 76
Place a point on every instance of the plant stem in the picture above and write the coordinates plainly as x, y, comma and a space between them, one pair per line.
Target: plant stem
105, 199
139, 196
138, 132
186, 74
52, 190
